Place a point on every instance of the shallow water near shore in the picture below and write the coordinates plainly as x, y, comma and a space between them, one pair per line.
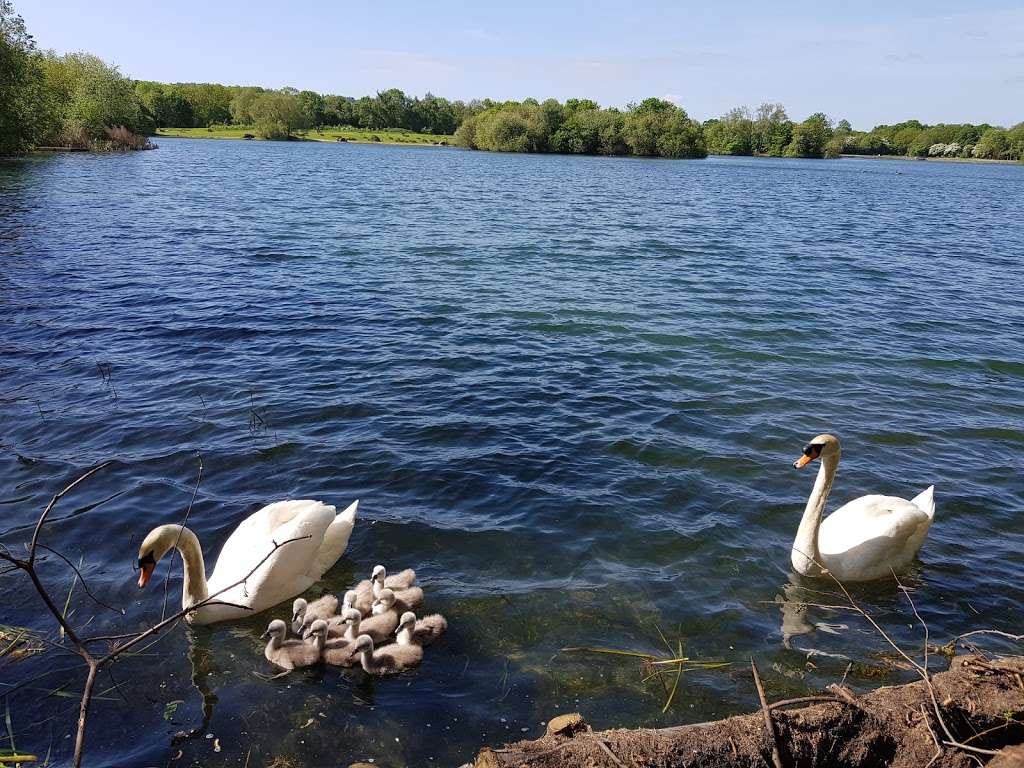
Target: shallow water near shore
567, 390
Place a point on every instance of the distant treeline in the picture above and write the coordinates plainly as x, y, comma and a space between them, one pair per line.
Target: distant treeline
658, 128
654, 128
77, 100
769, 131
279, 113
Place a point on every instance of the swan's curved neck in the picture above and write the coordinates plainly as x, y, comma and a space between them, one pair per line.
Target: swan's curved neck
353, 631
404, 636
193, 588
805, 556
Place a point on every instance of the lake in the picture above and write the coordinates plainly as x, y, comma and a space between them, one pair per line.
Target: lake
567, 390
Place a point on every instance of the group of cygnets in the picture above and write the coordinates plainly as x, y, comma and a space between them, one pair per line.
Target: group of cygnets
376, 627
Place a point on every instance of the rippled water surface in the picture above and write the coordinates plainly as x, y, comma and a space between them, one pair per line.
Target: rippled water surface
567, 391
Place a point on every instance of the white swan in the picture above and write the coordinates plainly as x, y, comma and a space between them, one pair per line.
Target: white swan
322, 537
864, 539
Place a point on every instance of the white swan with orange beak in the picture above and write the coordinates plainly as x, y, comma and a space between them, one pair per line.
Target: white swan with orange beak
316, 537
864, 539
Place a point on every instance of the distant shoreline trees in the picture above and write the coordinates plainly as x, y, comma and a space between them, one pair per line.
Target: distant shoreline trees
278, 114
739, 133
78, 101
652, 128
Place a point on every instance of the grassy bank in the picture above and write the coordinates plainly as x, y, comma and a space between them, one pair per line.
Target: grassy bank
358, 135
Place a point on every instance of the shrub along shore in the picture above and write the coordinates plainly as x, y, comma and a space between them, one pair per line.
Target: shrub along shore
77, 101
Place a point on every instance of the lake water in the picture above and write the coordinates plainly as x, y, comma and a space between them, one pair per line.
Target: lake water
567, 390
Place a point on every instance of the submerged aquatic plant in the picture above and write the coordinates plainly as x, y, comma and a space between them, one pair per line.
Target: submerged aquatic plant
18, 643
655, 667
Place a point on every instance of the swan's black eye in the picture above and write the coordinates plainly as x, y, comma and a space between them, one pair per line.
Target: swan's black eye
812, 450
148, 559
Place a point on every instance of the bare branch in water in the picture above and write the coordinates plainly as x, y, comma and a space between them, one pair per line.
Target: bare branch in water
95, 662
81, 578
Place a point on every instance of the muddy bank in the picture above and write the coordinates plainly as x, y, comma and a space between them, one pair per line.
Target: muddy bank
982, 703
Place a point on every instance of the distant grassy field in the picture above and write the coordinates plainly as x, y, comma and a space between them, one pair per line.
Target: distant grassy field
385, 136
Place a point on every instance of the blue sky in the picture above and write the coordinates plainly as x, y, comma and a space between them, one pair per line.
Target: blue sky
869, 62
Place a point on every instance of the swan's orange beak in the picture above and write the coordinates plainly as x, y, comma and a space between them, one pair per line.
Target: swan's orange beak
145, 571
803, 461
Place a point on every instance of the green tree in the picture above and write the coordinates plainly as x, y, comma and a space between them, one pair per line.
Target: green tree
994, 144
86, 98
656, 127
312, 107
731, 134
338, 110
512, 128
583, 132
277, 114
1016, 137
240, 106
171, 109
22, 107
555, 115
811, 137
391, 109
211, 102
772, 130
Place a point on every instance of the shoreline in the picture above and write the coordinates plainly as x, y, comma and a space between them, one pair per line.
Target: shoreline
979, 160
328, 136
833, 727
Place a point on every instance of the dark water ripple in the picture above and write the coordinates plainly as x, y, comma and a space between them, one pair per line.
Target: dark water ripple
567, 390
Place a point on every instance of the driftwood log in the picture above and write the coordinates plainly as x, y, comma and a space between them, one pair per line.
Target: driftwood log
981, 700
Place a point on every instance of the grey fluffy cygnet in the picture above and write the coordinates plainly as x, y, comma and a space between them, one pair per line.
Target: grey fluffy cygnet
338, 652
422, 632
304, 614
396, 581
360, 599
289, 654
399, 602
389, 660
380, 626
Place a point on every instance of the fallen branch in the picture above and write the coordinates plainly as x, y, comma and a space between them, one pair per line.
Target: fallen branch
766, 713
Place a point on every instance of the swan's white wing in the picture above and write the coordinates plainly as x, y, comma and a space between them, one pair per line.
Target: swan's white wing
284, 574
263, 522
926, 501
867, 537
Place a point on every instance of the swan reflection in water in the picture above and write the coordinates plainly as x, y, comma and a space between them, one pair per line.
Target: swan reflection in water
882, 598
794, 604
201, 661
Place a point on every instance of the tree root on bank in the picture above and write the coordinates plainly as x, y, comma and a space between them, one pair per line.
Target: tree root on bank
981, 700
